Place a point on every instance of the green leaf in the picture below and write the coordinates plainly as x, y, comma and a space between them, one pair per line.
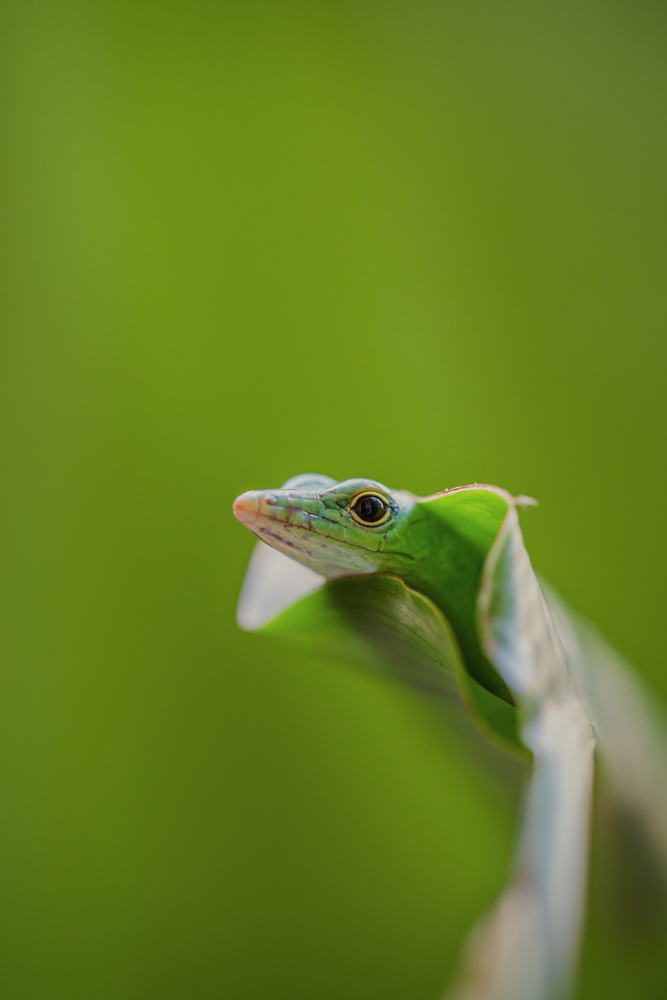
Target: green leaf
380, 624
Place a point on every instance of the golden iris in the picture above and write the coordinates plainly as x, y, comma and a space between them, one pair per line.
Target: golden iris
369, 509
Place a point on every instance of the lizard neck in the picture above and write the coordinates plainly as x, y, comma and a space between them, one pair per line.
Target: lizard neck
457, 530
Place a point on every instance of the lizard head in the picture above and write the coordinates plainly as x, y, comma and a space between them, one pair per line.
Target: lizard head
334, 528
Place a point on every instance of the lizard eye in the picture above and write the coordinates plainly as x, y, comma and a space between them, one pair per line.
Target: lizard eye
369, 508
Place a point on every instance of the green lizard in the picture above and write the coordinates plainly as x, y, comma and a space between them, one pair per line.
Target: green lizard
450, 571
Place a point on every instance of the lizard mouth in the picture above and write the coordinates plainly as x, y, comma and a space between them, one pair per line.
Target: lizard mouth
271, 521
264, 513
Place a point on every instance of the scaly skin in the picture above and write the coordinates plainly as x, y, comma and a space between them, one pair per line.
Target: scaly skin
437, 545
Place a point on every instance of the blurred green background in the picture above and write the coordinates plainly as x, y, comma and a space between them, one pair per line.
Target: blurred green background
419, 242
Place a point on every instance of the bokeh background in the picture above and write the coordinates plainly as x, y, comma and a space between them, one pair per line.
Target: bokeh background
416, 241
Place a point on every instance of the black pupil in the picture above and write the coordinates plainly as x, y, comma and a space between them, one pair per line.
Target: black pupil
369, 509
